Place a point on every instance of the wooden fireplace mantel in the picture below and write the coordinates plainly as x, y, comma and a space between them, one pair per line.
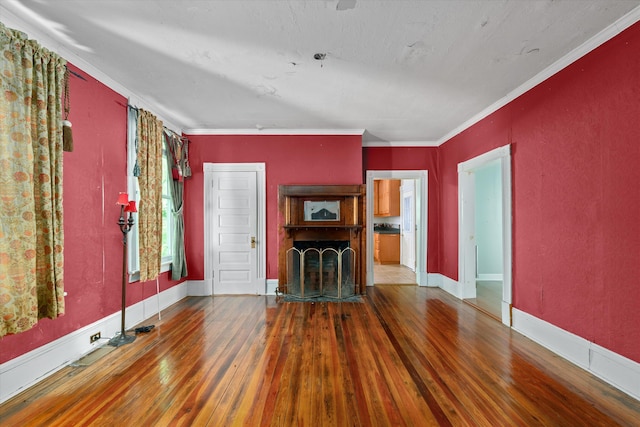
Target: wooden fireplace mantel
290, 228
320, 190
348, 225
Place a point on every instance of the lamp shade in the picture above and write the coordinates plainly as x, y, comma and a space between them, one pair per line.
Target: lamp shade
123, 199
131, 207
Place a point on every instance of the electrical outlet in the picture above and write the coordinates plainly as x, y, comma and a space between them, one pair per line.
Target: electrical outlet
95, 337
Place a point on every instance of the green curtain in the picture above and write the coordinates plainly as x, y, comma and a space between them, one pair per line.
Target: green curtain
150, 183
176, 167
31, 213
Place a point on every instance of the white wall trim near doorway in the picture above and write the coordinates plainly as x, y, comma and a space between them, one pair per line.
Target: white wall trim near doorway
466, 226
272, 285
421, 195
209, 169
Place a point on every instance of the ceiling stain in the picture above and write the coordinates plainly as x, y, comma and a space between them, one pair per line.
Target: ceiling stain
415, 52
345, 5
266, 90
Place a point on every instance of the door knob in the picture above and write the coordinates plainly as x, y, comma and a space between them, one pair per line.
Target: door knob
253, 242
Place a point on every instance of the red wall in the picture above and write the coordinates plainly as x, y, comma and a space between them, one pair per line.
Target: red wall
493, 132
576, 203
299, 159
576, 207
94, 173
414, 158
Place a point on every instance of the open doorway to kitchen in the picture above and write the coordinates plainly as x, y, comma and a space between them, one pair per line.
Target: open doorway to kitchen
396, 227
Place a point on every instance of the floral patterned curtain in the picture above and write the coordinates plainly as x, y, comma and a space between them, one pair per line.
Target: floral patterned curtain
31, 215
150, 142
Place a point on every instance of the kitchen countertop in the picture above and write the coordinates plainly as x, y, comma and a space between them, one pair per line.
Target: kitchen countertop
386, 230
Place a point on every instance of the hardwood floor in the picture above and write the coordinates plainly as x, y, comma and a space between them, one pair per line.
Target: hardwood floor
405, 356
393, 274
488, 298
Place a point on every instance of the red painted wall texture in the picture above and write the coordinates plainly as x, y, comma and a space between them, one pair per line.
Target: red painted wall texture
300, 159
94, 173
576, 203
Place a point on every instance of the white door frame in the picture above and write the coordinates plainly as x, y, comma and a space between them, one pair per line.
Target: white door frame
211, 168
411, 192
466, 226
421, 193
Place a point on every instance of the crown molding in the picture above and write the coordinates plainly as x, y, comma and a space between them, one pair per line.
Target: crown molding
400, 144
602, 37
273, 131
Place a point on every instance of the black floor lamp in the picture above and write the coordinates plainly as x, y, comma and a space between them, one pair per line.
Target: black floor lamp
127, 208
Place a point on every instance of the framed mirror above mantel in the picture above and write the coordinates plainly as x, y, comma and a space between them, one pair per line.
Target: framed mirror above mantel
322, 213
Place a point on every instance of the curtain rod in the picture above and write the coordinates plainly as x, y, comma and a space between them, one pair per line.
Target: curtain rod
166, 129
80, 76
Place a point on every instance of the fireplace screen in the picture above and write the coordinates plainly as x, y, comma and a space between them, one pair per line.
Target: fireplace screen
314, 272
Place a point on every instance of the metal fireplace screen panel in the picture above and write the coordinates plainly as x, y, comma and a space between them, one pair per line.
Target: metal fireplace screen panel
327, 272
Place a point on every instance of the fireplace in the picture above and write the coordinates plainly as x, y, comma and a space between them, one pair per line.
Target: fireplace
322, 241
322, 268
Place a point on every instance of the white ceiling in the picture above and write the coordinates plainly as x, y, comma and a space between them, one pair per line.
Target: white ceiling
404, 71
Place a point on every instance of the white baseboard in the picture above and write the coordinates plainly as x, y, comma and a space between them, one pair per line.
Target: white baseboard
505, 309
422, 277
434, 280
570, 346
272, 285
611, 367
451, 286
199, 288
204, 288
617, 370
24, 371
493, 277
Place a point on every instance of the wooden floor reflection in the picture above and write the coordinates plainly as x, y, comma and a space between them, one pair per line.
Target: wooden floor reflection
405, 356
488, 298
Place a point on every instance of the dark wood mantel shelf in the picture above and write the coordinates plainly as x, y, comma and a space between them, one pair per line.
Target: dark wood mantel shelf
290, 227
316, 227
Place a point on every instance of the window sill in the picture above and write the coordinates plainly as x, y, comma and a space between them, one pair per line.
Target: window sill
135, 276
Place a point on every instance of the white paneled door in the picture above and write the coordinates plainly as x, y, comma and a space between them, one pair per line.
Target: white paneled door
234, 233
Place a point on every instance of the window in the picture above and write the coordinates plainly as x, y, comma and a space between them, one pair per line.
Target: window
134, 194
167, 226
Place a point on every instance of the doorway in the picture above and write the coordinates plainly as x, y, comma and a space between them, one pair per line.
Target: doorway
234, 219
408, 224
411, 267
484, 188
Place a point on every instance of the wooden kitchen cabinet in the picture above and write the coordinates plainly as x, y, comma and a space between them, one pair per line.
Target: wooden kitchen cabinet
376, 194
386, 248
387, 197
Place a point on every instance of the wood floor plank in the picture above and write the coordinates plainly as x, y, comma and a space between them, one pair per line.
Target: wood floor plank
404, 356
